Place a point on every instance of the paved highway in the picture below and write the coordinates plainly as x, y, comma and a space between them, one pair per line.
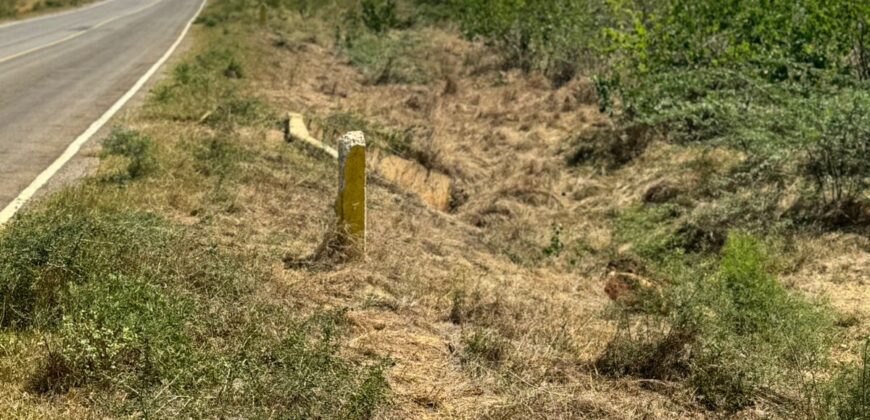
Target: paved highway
59, 74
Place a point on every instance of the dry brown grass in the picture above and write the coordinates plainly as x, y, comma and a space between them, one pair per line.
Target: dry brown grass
501, 137
421, 259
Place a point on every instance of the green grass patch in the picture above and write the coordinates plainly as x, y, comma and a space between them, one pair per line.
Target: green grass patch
388, 58
127, 301
848, 396
117, 331
68, 242
211, 88
729, 329
135, 149
557, 38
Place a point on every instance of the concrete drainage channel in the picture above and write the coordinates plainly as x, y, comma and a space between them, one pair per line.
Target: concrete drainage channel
433, 188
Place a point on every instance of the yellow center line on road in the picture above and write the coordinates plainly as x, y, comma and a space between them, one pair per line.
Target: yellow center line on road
77, 34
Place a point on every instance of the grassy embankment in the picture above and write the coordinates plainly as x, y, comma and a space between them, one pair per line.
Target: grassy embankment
122, 296
724, 214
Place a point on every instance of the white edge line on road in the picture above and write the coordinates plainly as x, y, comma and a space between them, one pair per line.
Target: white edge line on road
51, 15
76, 145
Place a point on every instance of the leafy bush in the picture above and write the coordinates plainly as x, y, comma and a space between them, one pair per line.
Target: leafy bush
379, 15
117, 330
554, 37
45, 252
780, 82
388, 58
786, 38
135, 147
788, 132
729, 328
839, 159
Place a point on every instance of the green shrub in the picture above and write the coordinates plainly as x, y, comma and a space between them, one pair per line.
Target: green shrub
47, 251
784, 37
649, 231
732, 330
839, 159
781, 82
788, 132
556, 37
395, 58
379, 15
135, 147
302, 376
117, 330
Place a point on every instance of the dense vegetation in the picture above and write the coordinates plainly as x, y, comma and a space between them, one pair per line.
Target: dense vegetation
785, 82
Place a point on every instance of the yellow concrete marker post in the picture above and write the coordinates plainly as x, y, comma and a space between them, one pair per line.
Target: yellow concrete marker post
350, 207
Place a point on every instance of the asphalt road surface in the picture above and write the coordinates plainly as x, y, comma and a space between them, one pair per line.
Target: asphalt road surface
58, 74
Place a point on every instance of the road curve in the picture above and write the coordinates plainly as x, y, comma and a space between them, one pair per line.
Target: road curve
59, 74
